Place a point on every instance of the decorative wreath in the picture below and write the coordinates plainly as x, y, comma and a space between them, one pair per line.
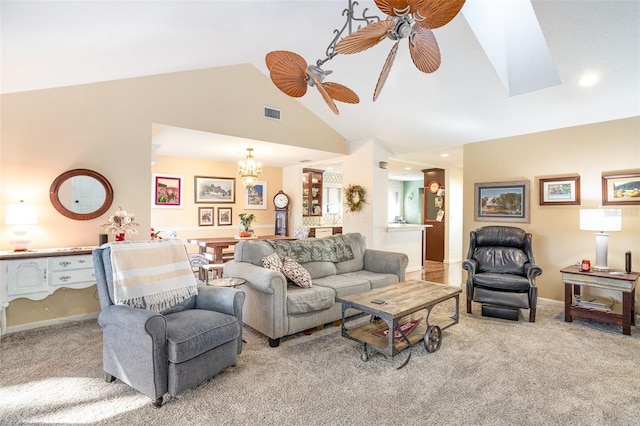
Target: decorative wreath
355, 197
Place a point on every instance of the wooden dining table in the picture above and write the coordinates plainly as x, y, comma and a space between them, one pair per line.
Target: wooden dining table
217, 244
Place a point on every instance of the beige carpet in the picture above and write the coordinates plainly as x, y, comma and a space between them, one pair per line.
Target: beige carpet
487, 372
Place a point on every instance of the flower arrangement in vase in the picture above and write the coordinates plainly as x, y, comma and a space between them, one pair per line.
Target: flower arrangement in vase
121, 223
245, 224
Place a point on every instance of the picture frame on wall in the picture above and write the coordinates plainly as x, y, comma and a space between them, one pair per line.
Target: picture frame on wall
621, 188
502, 201
560, 191
255, 198
205, 216
224, 216
209, 189
166, 191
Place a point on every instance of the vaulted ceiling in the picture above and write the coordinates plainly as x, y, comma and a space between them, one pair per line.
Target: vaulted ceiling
417, 116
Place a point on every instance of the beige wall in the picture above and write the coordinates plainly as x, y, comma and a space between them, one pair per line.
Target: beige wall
107, 127
586, 151
184, 221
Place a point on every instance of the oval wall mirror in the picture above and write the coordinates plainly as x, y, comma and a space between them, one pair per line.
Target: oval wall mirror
81, 194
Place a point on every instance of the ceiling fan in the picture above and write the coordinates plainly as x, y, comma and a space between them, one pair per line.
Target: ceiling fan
412, 19
291, 74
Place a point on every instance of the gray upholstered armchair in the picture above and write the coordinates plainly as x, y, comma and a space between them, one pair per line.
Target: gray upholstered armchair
501, 272
172, 351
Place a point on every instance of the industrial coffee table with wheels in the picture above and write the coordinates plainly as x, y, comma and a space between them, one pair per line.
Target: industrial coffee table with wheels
399, 307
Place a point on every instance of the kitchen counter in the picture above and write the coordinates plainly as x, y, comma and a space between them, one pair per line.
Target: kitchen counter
399, 227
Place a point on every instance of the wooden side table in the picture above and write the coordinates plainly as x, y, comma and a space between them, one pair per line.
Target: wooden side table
574, 279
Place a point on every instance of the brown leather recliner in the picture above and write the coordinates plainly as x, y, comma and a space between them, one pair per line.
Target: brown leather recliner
501, 272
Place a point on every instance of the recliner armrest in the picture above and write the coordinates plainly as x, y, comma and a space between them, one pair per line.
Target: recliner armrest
133, 319
221, 299
470, 265
532, 271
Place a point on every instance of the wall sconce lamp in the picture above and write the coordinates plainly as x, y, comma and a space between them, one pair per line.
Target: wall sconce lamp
21, 215
603, 221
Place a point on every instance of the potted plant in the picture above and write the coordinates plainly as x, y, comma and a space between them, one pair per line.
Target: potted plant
245, 224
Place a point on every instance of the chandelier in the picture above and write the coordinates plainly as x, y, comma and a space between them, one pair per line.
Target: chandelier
249, 170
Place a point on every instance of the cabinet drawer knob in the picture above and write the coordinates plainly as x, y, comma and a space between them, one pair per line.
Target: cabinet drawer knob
65, 263
65, 278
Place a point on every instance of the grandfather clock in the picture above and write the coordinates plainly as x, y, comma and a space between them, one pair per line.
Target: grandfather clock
281, 203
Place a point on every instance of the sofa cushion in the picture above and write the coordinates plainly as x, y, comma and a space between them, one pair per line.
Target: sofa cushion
501, 260
502, 282
320, 269
343, 285
273, 262
304, 300
357, 243
193, 332
296, 273
375, 279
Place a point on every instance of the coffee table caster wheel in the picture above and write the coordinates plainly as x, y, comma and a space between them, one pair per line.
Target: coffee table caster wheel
432, 338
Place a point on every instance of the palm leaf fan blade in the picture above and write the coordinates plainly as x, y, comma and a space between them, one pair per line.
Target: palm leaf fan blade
364, 38
385, 70
326, 96
341, 93
438, 13
289, 75
424, 49
392, 7
278, 55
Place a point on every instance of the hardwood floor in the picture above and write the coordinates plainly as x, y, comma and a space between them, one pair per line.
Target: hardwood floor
439, 272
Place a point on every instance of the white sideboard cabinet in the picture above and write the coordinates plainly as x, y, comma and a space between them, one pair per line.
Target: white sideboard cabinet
36, 274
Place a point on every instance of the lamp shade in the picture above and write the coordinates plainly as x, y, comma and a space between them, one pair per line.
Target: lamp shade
21, 214
601, 220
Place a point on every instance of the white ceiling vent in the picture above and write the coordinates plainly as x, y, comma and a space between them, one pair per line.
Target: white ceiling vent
272, 113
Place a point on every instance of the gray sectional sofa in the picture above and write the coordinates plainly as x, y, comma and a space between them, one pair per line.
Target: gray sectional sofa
276, 307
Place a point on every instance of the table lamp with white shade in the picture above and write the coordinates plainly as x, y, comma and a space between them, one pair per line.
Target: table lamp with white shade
21, 215
602, 221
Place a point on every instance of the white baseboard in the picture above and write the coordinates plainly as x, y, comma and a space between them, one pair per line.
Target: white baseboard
55, 321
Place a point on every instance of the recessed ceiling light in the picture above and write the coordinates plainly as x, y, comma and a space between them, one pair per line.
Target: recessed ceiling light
444, 155
407, 168
588, 80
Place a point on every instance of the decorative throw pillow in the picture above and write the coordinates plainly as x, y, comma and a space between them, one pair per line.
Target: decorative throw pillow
296, 273
272, 262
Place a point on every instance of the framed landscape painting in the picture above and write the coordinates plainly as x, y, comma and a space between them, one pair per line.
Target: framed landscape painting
621, 188
214, 189
560, 191
205, 216
255, 198
166, 191
502, 201
224, 216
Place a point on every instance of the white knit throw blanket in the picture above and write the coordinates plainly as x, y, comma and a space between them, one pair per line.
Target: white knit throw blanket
153, 275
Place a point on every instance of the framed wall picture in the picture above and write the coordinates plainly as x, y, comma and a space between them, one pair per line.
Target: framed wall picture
256, 197
560, 191
214, 189
502, 201
166, 191
224, 216
621, 188
205, 216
